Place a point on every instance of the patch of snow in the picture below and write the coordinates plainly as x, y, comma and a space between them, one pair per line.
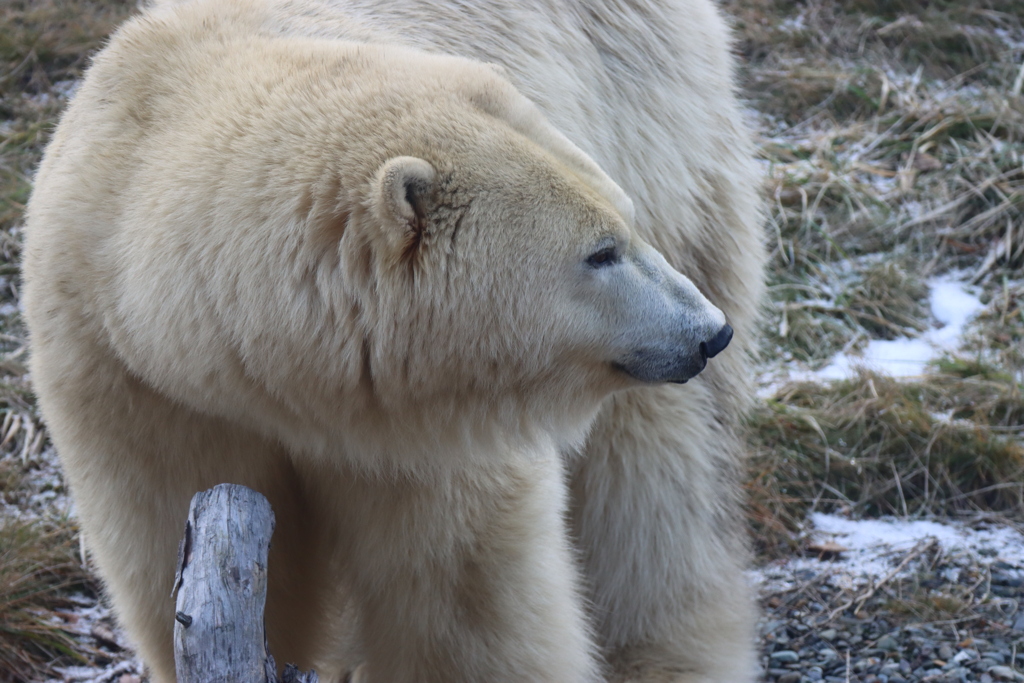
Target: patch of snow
108, 674
883, 185
874, 548
43, 495
865, 537
42, 99
93, 622
66, 89
953, 304
1012, 40
898, 358
912, 209
60, 93
793, 24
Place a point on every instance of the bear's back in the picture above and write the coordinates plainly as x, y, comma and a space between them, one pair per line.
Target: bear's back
175, 205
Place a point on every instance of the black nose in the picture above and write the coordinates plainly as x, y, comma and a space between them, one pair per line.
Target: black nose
716, 344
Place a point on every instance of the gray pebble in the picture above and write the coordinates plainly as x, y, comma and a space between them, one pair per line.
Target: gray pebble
814, 673
1018, 623
830, 634
1006, 579
1005, 673
791, 677
785, 656
887, 643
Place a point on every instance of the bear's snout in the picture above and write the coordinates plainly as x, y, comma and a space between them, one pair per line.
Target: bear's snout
656, 365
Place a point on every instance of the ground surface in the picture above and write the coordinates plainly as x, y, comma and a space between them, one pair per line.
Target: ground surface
886, 480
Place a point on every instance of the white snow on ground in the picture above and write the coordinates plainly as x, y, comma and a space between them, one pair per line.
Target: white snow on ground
125, 670
88, 619
953, 304
874, 548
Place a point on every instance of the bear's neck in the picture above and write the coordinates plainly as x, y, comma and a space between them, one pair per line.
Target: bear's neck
428, 440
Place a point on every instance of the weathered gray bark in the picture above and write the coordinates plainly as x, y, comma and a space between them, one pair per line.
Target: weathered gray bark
221, 589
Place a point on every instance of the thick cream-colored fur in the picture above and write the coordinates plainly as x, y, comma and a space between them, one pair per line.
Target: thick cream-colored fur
224, 282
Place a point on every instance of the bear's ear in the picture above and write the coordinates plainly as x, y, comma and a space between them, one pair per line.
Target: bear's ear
403, 192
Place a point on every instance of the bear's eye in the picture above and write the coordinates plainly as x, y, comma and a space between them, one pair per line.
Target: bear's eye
604, 257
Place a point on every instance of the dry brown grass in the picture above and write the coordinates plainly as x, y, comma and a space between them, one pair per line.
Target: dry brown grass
947, 443
893, 137
39, 567
44, 47
893, 132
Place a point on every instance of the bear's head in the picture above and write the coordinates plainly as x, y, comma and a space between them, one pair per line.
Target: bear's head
500, 260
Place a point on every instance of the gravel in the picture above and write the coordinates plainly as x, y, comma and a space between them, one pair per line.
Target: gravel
947, 612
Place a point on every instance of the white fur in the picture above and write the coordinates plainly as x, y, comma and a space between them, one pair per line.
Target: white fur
226, 281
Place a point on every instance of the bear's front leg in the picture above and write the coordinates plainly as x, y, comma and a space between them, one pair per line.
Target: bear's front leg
657, 512
466, 577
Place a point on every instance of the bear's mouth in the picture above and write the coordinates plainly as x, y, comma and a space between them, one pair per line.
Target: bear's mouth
658, 365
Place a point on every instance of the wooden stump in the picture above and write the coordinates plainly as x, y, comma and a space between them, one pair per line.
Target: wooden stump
220, 591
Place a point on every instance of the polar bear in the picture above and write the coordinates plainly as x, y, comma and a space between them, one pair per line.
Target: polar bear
412, 269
